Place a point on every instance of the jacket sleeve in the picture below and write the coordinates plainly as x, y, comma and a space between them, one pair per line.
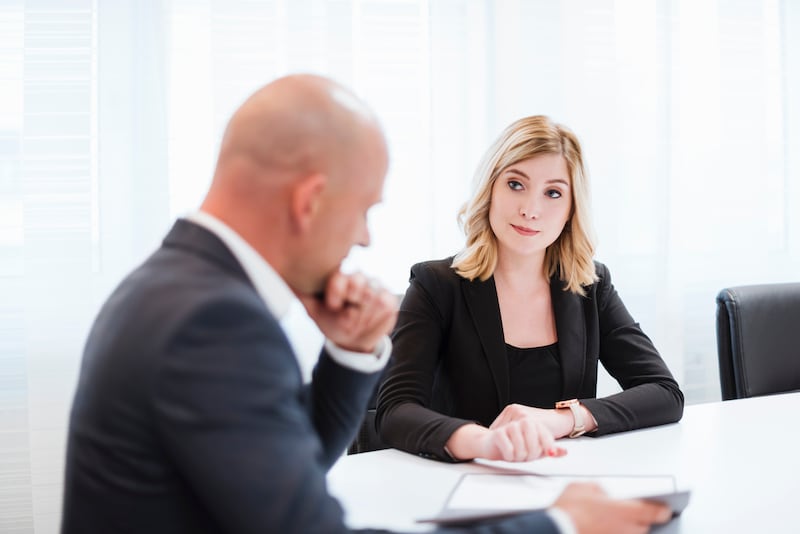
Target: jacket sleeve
403, 418
650, 395
250, 440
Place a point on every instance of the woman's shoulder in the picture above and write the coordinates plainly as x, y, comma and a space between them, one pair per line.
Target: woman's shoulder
435, 273
602, 280
602, 272
441, 267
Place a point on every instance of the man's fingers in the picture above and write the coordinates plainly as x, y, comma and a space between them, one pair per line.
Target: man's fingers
584, 489
357, 312
585, 502
370, 305
376, 311
644, 512
336, 290
353, 291
655, 512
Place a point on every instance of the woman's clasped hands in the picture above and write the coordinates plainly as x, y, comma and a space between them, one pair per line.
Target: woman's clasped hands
559, 422
513, 437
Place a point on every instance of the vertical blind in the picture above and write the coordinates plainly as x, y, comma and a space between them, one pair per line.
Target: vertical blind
47, 243
111, 114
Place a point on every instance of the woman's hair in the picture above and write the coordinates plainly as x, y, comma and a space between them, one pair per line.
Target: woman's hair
571, 254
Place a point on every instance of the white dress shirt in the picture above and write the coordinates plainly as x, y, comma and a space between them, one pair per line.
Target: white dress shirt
279, 298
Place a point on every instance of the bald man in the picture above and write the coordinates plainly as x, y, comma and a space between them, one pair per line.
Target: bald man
191, 415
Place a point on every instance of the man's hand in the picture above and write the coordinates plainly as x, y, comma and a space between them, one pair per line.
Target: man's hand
354, 313
593, 512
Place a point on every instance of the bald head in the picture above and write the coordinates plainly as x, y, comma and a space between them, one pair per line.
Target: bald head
295, 157
293, 127
296, 125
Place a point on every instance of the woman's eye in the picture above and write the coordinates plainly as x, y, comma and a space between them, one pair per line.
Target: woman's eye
515, 185
553, 193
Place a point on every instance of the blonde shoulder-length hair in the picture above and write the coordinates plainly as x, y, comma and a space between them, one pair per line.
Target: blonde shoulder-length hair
570, 256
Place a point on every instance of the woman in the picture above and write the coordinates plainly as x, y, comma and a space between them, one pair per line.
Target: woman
509, 332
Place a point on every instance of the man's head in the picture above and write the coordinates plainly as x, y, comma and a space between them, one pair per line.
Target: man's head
301, 162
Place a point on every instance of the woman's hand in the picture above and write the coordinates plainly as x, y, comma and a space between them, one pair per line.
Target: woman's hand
559, 422
518, 441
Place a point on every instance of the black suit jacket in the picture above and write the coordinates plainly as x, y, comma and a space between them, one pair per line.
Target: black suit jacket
191, 415
450, 365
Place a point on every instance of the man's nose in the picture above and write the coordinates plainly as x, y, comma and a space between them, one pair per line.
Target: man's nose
364, 239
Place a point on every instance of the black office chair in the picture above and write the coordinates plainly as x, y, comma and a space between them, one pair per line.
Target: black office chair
367, 438
758, 340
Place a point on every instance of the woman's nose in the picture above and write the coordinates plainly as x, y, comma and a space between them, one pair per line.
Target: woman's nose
530, 210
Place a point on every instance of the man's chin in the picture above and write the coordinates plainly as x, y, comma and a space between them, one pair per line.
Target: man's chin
317, 290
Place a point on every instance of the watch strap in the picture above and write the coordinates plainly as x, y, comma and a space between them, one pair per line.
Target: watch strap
579, 427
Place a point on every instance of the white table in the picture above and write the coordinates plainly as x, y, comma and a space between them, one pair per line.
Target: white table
741, 460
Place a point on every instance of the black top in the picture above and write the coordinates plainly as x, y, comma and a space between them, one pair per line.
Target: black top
534, 375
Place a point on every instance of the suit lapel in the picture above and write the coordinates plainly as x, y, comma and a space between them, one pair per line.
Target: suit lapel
571, 329
481, 300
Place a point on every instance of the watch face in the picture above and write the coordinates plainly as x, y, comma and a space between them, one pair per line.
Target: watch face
566, 403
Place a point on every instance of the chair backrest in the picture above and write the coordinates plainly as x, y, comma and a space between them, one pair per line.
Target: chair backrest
758, 339
367, 438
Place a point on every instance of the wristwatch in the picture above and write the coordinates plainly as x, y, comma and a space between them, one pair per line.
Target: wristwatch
573, 404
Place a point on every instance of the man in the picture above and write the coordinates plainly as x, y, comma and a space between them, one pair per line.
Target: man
191, 414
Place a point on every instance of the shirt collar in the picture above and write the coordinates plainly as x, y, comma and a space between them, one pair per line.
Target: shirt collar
270, 286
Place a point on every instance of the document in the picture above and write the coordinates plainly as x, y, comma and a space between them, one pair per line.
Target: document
490, 495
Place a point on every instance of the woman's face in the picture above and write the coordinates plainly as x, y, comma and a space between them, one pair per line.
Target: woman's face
531, 203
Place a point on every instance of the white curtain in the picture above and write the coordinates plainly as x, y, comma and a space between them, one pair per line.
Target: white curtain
111, 112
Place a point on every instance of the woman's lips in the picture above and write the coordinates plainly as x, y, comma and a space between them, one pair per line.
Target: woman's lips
524, 231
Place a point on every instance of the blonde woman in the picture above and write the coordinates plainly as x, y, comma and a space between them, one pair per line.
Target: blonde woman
496, 349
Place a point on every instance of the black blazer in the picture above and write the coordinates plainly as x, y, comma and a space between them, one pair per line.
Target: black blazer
191, 415
450, 364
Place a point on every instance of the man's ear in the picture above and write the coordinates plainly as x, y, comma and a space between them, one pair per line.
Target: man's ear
306, 199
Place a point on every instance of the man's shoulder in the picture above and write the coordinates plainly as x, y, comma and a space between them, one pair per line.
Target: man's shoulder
173, 279
170, 292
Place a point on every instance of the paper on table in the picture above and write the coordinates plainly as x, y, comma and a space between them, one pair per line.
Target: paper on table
576, 463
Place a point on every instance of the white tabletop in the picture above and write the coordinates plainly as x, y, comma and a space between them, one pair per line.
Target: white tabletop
740, 459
